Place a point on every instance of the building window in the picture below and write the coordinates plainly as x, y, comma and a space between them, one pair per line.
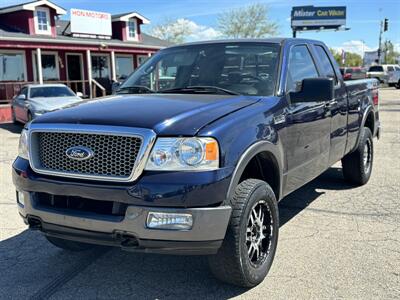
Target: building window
100, 66
50, 70
42, 20
141, 59
124, 66
12, 66
132, 29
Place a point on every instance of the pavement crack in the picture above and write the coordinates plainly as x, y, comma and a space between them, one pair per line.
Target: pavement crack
49, 289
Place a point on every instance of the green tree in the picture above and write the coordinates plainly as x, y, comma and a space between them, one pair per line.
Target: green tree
174, 31
249, 22
352, 59
390, 55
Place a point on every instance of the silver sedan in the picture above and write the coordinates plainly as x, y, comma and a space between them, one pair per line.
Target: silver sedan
35, 100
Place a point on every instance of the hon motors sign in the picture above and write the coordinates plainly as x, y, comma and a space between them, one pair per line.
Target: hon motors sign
90, 22
311, 17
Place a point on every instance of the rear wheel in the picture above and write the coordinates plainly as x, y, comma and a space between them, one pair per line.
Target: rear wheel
249, 247
69, 245
357, 166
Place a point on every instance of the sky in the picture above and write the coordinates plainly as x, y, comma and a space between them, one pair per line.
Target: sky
363, 17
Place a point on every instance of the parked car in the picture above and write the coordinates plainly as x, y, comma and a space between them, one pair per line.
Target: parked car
199, 167
34, 100
389, 74
351, 73
394, 76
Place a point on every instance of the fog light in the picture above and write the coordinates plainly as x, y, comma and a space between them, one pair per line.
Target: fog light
21, 198
172, 221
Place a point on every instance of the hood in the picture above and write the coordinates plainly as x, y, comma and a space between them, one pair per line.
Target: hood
166, 114
49, 104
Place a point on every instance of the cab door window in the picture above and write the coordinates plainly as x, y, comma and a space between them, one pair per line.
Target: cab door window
301, 66
326, 63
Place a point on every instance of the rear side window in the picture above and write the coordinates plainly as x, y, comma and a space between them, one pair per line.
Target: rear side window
301, 66
375, 69
326, 63
390, 69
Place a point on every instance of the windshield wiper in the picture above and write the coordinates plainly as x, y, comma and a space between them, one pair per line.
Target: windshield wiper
135, 89
200, 89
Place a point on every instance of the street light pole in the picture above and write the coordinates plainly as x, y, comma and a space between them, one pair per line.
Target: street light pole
380, 41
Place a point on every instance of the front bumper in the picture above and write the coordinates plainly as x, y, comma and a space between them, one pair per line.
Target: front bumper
157, 193
131, 233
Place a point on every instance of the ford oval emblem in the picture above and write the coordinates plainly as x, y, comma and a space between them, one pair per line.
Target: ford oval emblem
79, 153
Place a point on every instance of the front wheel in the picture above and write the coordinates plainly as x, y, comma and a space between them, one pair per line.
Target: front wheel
250, 243
357, 166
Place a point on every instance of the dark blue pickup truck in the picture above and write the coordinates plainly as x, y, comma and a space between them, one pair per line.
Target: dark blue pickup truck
194, 151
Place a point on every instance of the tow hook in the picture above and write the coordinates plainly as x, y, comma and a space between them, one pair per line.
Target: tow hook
128, 240
34, 223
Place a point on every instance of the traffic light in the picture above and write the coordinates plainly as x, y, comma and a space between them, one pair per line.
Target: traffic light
385, 24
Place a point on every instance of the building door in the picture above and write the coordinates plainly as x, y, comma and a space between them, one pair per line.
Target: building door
75, 72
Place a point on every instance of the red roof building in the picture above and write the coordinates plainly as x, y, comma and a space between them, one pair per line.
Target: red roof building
90, 49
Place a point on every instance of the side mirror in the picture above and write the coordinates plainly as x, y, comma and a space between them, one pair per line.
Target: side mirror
21, 97
79, 94
115, 85
314, 90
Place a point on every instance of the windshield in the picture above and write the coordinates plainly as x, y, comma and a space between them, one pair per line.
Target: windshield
51, 91
238, 68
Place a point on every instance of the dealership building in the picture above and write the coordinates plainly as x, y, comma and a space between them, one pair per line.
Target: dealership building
88, 52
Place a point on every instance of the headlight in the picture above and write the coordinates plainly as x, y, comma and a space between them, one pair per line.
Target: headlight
23, 146
183, 154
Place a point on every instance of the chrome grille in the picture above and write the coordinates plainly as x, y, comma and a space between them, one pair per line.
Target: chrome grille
114, 155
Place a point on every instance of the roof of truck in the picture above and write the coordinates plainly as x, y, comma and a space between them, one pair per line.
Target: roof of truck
275, 40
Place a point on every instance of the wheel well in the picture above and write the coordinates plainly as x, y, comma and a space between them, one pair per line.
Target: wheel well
369, 122
263, 166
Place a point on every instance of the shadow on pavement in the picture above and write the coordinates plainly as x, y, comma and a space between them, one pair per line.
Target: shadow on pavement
32, 267
13, 128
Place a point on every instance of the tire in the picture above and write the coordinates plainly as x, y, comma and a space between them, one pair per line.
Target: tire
398, 85
232, 264
357, 166
69, 245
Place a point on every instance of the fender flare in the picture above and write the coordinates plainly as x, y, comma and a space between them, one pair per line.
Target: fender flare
368, 109
250, 153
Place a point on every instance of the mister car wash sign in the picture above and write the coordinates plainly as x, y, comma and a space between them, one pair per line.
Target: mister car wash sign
311, 17
90, 22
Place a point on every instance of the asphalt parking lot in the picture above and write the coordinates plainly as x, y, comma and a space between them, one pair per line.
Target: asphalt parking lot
336, 241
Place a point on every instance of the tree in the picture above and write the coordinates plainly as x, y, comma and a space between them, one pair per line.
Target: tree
352, 59
249, 22
391, 56
174, 31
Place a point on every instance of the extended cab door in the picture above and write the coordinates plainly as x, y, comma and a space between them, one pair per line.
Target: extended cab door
307, 139
337, 107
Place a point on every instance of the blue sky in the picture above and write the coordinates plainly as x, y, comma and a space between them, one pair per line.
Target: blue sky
363, 17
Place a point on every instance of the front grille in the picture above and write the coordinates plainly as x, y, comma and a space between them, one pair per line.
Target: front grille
114, 156
72, 204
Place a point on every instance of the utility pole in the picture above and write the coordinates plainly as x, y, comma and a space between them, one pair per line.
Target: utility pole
384, 28
380, 41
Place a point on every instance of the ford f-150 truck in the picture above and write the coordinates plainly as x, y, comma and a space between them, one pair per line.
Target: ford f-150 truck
194, 151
